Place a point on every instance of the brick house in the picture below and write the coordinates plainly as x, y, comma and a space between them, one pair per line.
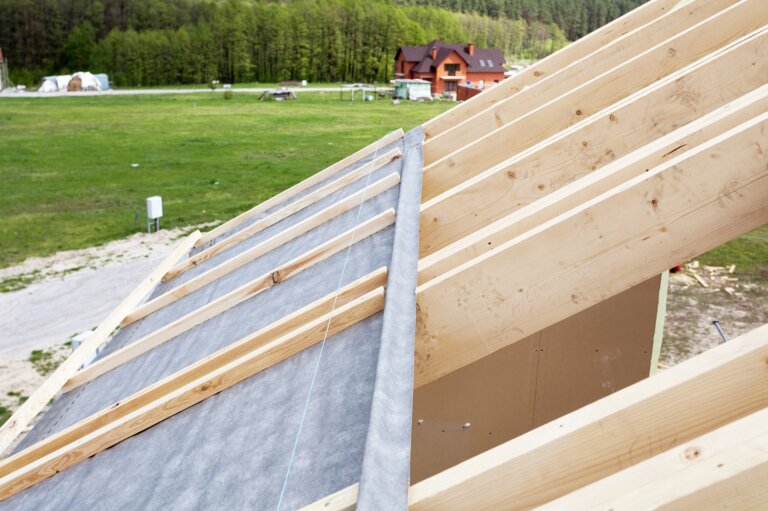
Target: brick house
447, 66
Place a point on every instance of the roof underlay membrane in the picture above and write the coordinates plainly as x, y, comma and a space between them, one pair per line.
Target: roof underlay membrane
233, 450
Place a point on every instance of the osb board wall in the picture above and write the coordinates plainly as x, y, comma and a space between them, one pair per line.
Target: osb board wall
531, 382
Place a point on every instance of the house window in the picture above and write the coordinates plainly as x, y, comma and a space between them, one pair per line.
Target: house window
490, 63
482, 63
452, 69
450, 86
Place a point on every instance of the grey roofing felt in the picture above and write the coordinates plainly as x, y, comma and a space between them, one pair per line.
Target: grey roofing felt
232, 450
386, 464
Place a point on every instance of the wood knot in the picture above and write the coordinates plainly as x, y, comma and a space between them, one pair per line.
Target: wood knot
541, 187
579, 112
205, 387
276, 277
511, 174
692, 453
654, 203
612, 118
537, 73
585, 144
671, 52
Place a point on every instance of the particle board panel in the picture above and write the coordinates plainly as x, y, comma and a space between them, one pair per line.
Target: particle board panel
596, 352
533, 381
495, 395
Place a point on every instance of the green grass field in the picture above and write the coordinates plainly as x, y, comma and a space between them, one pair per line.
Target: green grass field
67, 179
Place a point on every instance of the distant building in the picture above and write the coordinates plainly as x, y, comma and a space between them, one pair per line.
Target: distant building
446, 66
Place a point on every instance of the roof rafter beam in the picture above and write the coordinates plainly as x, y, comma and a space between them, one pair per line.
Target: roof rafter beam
725, 468
300, 187
485, 239
197, 382
231, 299
711, 36
262, 248
676, 211
584, 148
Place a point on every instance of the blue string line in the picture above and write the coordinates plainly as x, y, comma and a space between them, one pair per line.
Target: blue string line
327, 329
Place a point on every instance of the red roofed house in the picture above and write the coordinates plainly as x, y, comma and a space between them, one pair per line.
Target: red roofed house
449, 65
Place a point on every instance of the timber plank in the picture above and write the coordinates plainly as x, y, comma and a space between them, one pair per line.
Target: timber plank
676, 211
488, 237
725, 468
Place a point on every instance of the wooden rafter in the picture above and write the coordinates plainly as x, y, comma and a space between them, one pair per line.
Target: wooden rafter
259, 250
597, 94
231, 299
723, 469
669, 214
299, 187
183, 389
487, 238
586, 147
638, 17
19, 421
284, 212
571, 76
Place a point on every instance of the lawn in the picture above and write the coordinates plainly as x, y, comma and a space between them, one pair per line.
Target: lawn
67, 163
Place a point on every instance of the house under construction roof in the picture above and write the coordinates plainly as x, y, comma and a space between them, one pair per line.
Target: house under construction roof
464, 316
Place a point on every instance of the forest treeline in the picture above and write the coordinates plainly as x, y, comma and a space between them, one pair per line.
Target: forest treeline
163, 42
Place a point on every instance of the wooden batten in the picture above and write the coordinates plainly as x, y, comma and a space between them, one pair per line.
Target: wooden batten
39, 399
284, 212
176, 393
575, 51
231, 299
594, 251
571, 76
299, 187
591, 145
497, 231
279, 239
700, 41
618, 432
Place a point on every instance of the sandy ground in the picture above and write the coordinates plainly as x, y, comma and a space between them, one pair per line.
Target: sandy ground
738, 302
75, 291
